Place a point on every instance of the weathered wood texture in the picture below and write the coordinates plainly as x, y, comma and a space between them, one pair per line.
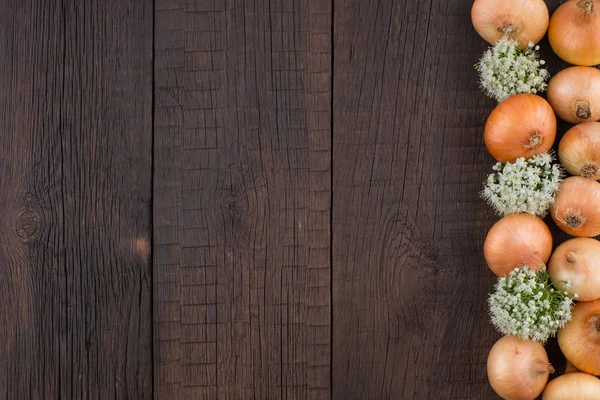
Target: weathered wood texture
260, 209
242, 199
75, 192
409, 278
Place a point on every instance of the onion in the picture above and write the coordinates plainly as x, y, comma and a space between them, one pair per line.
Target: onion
522, 20
574, 32
517, 240
579, 150
518, 369
574, 94
576, 210
573, 386
577, 261
579, 340
521, 126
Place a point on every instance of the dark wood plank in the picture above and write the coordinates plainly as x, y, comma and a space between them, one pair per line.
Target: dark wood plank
75, 187
409, 277
242, 199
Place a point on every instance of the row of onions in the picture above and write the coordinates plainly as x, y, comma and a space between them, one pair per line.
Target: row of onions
541, 292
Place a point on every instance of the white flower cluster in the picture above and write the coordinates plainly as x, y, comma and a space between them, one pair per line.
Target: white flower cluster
525, 186
505, 70
526, 305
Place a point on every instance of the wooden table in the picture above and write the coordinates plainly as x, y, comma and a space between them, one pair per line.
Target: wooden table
243, 199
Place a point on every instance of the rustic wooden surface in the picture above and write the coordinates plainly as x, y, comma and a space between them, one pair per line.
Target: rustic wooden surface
75, 199
302, 175
409, 278
242, 199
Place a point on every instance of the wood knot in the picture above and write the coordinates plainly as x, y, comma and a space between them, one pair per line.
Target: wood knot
142, 248
233, 199
27, 224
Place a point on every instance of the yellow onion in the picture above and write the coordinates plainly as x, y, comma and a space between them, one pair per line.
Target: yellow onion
573, 386
576, 209
574, 94
518, 369
579, 150
574, 32
521, 126
517, 240
522, 20
579, 340
577, 261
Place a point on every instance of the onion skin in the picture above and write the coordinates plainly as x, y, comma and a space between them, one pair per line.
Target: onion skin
517, 240
522, 20
518, 369
574, 34
521, 126
579, 150
576, 210
574, 94
579, 340
578, 261
573, 386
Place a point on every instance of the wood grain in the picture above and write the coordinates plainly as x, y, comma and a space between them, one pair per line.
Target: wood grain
260, 210
409, 278
242, 199
75, 187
